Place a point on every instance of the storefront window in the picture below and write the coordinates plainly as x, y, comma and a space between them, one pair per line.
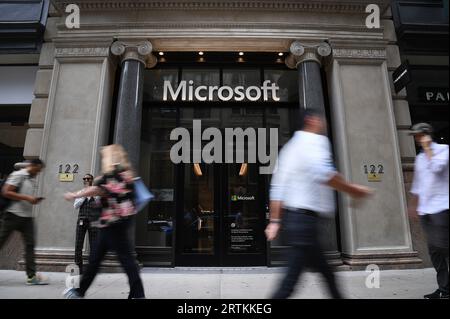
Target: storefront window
207, 77
154, 227
286, 81
154, 82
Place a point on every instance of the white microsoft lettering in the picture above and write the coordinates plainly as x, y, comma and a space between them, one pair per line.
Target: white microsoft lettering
224, 93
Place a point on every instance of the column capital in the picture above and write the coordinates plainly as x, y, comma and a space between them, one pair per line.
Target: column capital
134, 50
302, 52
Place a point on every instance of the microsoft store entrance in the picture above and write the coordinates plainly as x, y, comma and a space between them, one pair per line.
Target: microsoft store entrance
210, 213
222, 219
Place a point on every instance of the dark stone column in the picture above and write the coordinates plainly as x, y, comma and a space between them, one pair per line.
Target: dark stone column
307, 60
310, 87
135, 56
127, 130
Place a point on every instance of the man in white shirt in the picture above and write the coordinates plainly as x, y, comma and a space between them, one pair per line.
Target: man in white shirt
302, 188
430, 201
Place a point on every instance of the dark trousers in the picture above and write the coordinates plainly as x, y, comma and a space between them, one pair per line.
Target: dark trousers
116, 238
302, 235
436, 231
83, 226
24, 225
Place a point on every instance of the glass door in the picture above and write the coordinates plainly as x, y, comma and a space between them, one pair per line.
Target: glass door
198, 216
244, 211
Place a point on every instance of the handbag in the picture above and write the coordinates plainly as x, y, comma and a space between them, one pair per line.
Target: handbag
142, 195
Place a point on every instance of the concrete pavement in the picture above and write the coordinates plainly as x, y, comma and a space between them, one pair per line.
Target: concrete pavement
225, 283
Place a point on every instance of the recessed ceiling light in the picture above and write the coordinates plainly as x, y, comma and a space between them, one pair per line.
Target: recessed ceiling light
280, 54
241, 53
200, 53
161, 53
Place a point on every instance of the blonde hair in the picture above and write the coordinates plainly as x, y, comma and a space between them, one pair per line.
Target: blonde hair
112, 156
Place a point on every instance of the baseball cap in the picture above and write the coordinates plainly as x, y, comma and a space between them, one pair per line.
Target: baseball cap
421, 128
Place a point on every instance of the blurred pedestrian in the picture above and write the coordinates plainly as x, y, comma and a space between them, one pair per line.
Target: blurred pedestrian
19, 188
301, 192
116, 188
430, 200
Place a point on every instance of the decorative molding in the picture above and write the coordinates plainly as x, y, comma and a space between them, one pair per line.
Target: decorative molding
301, 52
82, 52
354, 53
135, 50
348, 6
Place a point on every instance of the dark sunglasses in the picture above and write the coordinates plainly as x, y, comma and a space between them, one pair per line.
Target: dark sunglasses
87, 178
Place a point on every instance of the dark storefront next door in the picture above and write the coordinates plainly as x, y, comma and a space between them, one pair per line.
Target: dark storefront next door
222, 219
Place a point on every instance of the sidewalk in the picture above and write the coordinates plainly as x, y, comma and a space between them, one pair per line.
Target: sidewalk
225, 283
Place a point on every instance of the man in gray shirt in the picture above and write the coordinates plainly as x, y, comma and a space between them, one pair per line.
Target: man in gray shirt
19, 188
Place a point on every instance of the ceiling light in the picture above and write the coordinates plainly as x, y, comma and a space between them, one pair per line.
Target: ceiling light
241, 53
243, 170
280, 53
161, 53
197, 170
200, 53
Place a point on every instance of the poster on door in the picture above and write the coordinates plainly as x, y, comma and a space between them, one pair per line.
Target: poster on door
242, 240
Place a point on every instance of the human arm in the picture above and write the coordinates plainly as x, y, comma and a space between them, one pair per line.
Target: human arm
86, 192
11, 190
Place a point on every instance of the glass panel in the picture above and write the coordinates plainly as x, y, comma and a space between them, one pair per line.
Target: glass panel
155, 224
154, 82
244, 213
286, 81
208, 77
286, 120
242, 77
197, 229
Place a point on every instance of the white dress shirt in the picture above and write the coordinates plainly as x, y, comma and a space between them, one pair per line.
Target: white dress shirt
303, 168
430, 181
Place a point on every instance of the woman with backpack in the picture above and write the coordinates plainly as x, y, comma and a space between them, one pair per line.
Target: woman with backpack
116, 188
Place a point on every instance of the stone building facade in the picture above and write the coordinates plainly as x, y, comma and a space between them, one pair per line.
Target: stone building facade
90, 79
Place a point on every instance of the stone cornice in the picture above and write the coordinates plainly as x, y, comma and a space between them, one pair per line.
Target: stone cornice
345, 6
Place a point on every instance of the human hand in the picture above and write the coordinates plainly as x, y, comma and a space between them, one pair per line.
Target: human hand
272, 231
360, 191
34, 200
